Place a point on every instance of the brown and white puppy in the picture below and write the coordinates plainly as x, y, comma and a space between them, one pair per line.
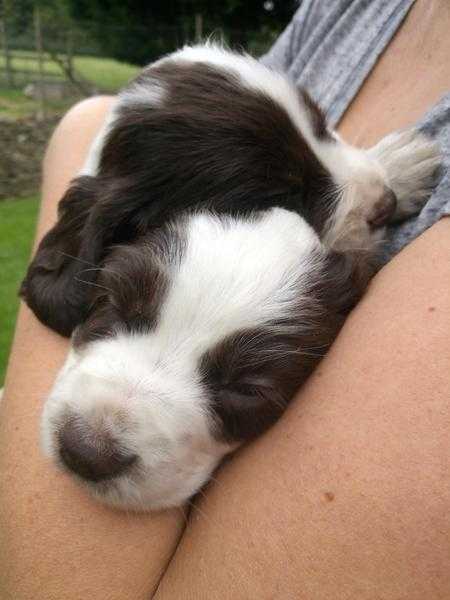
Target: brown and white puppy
203, 262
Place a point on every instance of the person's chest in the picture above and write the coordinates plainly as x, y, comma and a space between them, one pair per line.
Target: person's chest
411, 75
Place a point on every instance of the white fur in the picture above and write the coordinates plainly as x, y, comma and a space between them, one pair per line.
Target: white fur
150, 94
405, 162
276, 250
410, 160
92, 161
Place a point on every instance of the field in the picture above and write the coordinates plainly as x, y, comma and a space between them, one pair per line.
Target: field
108, 74
17, 222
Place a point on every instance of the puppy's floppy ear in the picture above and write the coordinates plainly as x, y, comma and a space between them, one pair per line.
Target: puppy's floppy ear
52, 286
124, 211
95, 213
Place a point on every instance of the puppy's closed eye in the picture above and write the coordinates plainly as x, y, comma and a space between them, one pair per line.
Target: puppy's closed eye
252, 375
247, 409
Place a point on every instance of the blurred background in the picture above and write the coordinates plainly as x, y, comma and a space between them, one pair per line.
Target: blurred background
55, 52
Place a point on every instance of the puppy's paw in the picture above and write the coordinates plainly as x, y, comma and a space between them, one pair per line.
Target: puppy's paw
411, 161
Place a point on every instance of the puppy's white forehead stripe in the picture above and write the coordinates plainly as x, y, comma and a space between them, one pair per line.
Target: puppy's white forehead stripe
235, 276
152, 93
92, 161
258, 77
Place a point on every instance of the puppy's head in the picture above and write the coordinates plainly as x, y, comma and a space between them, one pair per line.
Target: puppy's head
188, 267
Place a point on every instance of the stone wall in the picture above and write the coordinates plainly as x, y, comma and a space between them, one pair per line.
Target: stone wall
22, 147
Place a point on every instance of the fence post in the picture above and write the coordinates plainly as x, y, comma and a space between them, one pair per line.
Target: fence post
6, 53
40, 54
198, 27
69, 53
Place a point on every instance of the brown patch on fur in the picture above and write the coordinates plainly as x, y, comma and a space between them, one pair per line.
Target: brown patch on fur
131, 286
213, 143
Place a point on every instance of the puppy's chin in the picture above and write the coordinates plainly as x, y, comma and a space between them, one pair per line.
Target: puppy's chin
126, 494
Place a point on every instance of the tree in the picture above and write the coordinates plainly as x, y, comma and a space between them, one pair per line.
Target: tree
139, 31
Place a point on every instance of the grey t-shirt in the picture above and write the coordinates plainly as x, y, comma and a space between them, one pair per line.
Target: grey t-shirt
329, 48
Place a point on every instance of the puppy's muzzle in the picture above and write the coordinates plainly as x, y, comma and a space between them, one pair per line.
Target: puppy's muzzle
92, 455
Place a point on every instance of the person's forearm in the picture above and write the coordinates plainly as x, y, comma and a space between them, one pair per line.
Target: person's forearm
55, 541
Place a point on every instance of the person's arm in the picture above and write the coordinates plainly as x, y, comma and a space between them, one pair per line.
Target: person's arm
57, 543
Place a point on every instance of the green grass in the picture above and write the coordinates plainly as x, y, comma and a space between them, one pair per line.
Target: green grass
15, 105
106, 74
17, 223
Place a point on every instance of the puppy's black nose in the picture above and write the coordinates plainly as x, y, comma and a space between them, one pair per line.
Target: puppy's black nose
383, 210
91, 455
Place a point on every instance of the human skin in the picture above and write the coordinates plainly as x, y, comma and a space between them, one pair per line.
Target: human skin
346, 497
56, 542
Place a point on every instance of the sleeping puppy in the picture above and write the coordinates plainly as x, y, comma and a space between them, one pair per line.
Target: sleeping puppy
203, 262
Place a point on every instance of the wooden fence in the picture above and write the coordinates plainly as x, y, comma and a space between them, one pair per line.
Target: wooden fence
14, 75
41, 52
39, 65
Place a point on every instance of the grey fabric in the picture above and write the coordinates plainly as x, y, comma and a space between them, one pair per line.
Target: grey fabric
329, 48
